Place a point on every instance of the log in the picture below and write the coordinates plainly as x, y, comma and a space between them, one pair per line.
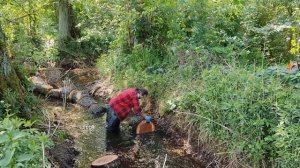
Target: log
108, 161
86, 101
55, 93
97, 110
78, 95
71, 93
39, 85
145, 127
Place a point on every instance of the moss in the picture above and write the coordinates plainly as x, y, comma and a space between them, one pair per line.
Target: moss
3, 85
11, 81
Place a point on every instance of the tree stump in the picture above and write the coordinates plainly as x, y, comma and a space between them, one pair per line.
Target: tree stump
145, 127
108, 161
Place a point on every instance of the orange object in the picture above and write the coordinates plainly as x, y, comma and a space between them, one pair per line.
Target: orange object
290, 66
293, 64
145, 127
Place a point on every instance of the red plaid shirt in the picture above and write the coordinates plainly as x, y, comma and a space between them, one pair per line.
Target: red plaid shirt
124, 102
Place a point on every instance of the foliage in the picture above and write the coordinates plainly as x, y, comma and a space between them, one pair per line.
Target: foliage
11, 105
257, 115
22, 147
171, 48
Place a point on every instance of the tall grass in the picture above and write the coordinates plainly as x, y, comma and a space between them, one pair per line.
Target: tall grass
255, 114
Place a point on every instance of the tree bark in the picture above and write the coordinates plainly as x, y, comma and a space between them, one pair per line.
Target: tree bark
66, 25
8, 76
64, 20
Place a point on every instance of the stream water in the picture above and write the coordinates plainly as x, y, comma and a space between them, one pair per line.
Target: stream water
150, 150
90, 139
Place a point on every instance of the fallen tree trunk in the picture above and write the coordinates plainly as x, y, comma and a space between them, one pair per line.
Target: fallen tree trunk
69, 93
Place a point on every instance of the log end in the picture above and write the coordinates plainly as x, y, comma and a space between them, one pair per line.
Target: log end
105, 161
145, 127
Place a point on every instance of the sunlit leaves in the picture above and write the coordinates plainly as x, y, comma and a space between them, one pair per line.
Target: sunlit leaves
20, 147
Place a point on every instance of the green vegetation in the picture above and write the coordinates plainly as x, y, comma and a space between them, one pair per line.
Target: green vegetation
208, 60
22, 147
255, 114
220, 63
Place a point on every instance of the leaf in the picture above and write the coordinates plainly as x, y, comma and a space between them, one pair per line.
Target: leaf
7, 158
24, 157
28, 123
6, 125
3, 138
17, 135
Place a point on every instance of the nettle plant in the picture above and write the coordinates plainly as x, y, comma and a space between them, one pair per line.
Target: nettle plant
22, 147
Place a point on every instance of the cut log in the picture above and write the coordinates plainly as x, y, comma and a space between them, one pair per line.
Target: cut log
71, 94
55, 93
108, 161
78, 95
97, 110
40, 86
86, 101
145, 127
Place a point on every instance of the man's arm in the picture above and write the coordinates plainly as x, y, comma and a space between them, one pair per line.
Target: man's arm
136, 105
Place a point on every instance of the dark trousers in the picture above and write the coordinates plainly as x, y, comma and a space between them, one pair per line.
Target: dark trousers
112, 122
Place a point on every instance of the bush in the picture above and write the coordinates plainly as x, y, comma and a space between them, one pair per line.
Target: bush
22, 147
252, 113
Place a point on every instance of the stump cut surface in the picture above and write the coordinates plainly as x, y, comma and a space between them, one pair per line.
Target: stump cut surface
145, 127
102, 161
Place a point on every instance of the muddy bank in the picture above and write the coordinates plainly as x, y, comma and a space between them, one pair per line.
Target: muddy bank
63, 154
200, 148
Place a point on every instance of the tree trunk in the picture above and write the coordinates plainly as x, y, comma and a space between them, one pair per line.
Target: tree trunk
9, 78
66, 26
64, 20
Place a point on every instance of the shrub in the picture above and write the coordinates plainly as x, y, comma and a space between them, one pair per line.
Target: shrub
22, 147
254, 114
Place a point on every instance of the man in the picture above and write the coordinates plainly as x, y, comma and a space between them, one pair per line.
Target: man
122, 105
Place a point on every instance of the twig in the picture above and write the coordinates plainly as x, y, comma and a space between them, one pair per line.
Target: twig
49, 122
57, 125
165, 161
44, 164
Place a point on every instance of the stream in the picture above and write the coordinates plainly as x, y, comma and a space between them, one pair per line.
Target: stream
88, 132
90, 139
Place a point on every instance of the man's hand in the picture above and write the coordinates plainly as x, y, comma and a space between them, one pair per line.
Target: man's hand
148, 119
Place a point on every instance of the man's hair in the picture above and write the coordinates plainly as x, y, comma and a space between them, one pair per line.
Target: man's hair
142, 91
